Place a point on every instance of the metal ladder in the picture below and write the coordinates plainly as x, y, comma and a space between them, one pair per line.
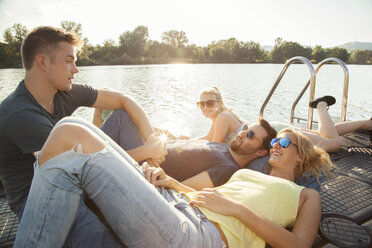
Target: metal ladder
311, 83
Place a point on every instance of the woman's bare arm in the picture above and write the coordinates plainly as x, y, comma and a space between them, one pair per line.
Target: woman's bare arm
221, 127
302, 235
157, 177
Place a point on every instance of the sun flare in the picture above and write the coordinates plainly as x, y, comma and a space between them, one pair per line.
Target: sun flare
163, 137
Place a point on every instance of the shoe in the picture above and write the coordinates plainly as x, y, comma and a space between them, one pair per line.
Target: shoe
330, 100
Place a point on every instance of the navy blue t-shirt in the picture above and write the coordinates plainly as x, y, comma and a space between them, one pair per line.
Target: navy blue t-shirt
24, 127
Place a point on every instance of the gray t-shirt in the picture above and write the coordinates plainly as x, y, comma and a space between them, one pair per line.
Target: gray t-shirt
24, 127
187, 158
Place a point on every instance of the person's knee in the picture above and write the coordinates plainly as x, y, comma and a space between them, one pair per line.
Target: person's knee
338, 145
74, 120
120, 116
65, 136
115, 122
121, 112
335, 145
71, 134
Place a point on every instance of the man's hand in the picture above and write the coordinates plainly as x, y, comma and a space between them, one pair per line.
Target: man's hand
156, 176
215, 201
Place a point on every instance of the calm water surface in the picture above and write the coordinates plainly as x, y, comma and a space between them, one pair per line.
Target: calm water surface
168, 92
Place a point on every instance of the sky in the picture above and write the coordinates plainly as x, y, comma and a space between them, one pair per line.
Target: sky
326, 23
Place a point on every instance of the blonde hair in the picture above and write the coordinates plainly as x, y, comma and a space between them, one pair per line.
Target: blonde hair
315, 160
215, 91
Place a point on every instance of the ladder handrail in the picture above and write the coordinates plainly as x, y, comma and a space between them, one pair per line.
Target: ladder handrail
312, 87
346, 85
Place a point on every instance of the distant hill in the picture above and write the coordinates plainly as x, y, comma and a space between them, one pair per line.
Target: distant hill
351, 46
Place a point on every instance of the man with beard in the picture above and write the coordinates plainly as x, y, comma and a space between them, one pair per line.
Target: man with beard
204, 164
199, 163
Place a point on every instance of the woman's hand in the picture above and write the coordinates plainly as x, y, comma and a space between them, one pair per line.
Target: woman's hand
153, 163
156, 176
215, 201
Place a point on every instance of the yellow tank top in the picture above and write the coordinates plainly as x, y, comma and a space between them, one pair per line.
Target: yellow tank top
273, 198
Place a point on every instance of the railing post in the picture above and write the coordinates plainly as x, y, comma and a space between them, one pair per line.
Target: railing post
312, 83
346, 83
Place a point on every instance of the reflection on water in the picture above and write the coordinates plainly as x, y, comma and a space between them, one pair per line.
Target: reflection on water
168, 92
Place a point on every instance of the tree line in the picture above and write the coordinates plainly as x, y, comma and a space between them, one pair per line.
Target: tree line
135, 47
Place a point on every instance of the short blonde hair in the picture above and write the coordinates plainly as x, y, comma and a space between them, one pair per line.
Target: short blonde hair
212, 90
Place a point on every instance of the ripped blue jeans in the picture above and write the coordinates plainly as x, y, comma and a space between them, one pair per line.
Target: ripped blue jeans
140, 214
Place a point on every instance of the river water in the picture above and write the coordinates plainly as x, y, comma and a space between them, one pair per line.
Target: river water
168, 93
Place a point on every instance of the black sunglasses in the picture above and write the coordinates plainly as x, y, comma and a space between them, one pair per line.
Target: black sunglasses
251, 135
283, 142
209, 103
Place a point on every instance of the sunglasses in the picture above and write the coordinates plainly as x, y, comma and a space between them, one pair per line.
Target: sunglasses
209, 103
251, 135
283, 142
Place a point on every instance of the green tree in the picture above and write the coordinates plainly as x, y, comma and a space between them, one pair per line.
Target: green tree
14, 37
3, 55
284, 50
101, 54
15, 34
134, 42
174, 38
251, 52
217, 52
318, 54
337, 52
72, 26
195, 53
276, 54
157, 50
224, 51
87, 49
361, 57
83, 57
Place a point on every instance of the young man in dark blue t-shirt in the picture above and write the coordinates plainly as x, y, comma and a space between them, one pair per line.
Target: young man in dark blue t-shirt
45, 96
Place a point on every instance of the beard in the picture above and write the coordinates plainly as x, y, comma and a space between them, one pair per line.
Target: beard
237, 148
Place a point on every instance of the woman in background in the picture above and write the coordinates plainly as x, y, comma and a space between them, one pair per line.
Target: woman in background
225, 123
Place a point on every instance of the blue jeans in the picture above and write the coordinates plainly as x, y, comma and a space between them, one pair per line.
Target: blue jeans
121, 129
139, 213
86, 231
